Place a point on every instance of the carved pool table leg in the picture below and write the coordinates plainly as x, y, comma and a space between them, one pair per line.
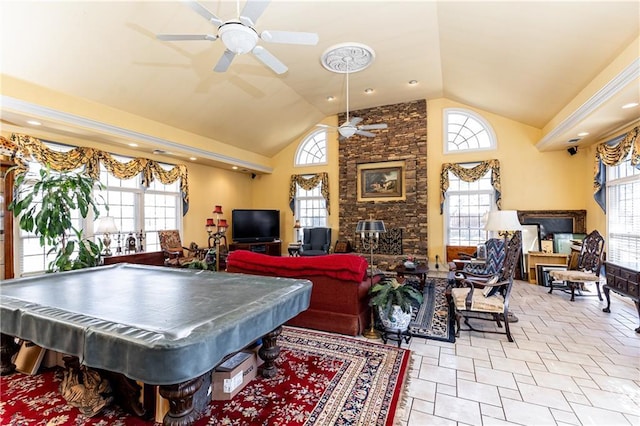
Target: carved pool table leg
8, 348
269, 352
181, 408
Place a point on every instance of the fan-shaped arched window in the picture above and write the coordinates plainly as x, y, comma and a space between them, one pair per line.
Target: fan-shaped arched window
312, 149
467, 131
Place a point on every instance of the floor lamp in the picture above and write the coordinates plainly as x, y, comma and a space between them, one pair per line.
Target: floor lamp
370, 231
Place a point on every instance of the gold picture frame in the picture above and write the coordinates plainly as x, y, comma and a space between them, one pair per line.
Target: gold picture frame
381, 181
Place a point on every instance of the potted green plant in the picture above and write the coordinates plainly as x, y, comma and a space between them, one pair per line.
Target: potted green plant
45, 205
394, 302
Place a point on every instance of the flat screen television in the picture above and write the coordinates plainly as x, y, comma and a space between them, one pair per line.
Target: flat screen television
254, 225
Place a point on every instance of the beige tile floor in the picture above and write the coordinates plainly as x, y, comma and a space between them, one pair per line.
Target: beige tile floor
570, 364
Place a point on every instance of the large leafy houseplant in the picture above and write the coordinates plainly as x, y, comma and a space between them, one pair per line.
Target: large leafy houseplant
45, 206
389, 292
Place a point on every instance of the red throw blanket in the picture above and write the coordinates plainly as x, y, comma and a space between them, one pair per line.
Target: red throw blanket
346, 267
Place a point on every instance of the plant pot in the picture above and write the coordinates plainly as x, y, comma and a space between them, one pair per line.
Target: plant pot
399, 320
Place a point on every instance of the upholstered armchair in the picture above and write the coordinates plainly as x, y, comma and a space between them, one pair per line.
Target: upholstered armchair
315, 241
587, 269
487, 297
175, 254
493, 262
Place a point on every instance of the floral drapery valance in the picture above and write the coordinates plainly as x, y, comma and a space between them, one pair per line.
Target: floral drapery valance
471, 174
613, 153
307, 183
22, 148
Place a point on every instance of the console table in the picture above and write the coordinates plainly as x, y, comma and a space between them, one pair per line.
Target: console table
272, 248
624, 279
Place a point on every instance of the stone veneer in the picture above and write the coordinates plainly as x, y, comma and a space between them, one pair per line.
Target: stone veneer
405, 139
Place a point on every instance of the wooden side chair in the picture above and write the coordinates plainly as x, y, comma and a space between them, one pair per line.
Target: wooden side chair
487, 297
587, 269
175, 254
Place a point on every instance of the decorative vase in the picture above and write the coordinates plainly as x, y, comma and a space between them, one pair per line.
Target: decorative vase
399, 320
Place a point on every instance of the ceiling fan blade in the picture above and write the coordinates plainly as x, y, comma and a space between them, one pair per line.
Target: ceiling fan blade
355, 120
365, 133
224, 61
289, 37
373, 126
253, 9
269, 60
181, 37
204, 12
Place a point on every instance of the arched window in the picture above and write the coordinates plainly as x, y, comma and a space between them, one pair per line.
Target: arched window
313, 149
467, 131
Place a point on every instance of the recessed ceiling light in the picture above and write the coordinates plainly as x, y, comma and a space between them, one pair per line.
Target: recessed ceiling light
630, 105
235, 167
368, 90
192, 158
133, 145
34, 123
331, 98
581, 134
413, 82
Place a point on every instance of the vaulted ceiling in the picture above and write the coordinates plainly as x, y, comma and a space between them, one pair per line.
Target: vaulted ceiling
522, 60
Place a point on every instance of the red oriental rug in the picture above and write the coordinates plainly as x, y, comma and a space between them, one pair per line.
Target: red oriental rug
323, 379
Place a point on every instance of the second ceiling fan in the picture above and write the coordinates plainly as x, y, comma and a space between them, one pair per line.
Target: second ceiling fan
344, 58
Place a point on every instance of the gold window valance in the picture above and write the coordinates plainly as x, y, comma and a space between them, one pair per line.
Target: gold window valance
308, 182
23, 148
613, 155
471, 174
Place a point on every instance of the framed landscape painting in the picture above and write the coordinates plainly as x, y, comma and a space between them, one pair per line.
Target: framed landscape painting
381, 181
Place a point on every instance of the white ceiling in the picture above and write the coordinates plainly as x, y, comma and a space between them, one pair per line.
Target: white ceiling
522, 60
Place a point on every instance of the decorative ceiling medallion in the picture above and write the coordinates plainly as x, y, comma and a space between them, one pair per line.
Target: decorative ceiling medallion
347, 57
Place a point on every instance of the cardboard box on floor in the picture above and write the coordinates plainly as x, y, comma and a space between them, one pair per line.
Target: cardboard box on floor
230, 377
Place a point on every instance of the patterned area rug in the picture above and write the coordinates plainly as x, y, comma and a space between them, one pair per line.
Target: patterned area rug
433, 320
323, 379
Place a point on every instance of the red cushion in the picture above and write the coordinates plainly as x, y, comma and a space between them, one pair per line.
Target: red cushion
346, 267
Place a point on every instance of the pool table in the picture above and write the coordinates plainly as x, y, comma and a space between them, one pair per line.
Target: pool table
162, 326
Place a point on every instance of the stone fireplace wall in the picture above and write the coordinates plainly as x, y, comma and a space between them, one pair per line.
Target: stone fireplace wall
405, 139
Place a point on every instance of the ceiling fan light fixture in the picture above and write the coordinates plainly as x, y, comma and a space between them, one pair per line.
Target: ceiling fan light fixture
347, 131
238, 38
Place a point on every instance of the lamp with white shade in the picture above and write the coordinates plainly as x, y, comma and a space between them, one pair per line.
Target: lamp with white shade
106, 225
503, 222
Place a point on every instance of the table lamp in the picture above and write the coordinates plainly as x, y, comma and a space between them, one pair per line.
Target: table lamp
217, 231
296, 228
106, 225
503, 222
370, 231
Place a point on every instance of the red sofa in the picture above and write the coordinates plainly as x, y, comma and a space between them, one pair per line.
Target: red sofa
339, 298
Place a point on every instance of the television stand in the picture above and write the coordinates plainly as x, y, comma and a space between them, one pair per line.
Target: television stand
270, 248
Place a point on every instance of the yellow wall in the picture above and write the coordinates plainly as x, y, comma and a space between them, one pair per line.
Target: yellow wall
272, 191
531, 180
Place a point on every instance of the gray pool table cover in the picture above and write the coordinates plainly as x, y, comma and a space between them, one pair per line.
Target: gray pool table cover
155, 324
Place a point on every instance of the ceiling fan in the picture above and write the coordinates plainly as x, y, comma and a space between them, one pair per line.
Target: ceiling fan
350, 127
239, 35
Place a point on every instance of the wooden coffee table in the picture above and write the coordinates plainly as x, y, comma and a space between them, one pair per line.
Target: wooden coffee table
419, 271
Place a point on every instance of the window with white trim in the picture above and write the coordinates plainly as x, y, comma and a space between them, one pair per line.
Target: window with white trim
467, 131
312, 149
466, 206
311, 208
136, 209
623, 212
